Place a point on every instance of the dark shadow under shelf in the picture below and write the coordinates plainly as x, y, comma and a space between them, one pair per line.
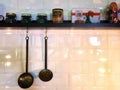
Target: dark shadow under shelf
64, 24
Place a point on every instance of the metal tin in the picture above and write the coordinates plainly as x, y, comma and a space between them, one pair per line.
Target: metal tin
26, 18
57, 15
41, 18
1, 18
10, 17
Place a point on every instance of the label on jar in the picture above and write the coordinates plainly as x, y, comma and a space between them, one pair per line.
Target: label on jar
119, 16
57, 16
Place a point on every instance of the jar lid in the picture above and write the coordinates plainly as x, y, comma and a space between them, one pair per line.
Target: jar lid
58, 9
11, 14
41, 14
26, 14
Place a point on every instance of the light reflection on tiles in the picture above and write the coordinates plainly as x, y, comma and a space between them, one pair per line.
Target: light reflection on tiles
82, 61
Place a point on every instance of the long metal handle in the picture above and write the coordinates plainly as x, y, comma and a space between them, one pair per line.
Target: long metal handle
27, 50
45, 51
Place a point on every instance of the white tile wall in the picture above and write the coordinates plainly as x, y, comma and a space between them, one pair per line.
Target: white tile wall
46, 6
75, 63
80, 59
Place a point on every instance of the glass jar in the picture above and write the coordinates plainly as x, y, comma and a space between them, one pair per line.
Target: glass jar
1, 18
26, 18
41, 18
57, 15
10, 17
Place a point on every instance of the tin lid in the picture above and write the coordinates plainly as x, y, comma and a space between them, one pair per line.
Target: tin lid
41, 14
10, 15
57, 9
26, 14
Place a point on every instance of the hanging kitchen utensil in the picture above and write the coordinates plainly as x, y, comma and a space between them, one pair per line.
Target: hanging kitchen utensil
25, 80
45, 74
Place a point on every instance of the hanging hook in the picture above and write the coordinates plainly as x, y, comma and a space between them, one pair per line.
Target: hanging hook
27, 37
46, 33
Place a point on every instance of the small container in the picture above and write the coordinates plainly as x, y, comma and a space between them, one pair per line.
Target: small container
1, 18
26, 18
41, 18
10, 17
113, 13
57, 15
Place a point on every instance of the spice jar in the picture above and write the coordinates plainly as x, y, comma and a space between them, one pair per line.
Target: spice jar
57, 15
1, 18
10, 18
26, 18
41, 18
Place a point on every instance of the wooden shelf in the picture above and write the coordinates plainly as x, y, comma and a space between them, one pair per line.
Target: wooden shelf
63, 25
